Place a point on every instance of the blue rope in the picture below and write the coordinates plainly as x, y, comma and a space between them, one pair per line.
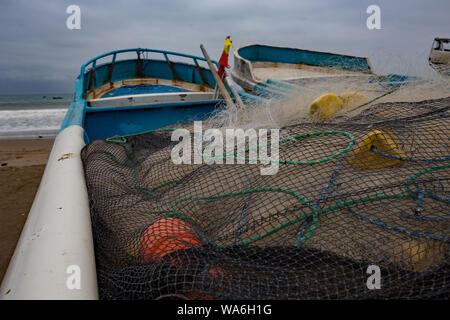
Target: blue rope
438, 198
435, 197
420, 195
300, 233
330, 183
434, 108
244, 213
426, 106
397, 229
442, 186
421, 218
321, 197
447, 158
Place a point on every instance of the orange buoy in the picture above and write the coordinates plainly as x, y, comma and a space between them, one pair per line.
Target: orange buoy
166, 236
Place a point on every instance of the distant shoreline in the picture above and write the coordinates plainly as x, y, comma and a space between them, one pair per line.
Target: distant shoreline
32, 116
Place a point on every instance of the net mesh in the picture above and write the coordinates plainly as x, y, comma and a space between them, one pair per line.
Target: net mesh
379, 195
443, 69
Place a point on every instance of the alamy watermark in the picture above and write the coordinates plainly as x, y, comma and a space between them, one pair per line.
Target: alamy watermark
374, 20
74, 19
211, 147
73, 281
374, 280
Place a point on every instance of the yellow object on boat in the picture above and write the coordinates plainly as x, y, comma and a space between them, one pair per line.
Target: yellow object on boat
353, 99
420, 255
328, 104
383, 141
226, 46
325, 106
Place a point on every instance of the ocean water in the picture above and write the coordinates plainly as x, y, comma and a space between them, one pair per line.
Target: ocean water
32, 116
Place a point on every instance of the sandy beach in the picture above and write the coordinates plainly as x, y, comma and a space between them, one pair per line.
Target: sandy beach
22, 165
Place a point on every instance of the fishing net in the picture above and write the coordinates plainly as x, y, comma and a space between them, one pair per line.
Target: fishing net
443, 69
368, 188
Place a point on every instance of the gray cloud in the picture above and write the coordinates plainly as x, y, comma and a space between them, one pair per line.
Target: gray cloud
39, 54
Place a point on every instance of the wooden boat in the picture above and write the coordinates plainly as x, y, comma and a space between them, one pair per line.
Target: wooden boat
270, 72
113, 96
439, 58
258, 68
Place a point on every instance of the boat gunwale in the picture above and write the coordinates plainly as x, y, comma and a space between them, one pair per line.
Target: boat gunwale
236, 52
80, 89
247, 79
138, 51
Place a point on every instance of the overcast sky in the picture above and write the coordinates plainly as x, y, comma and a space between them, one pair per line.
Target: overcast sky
38, 54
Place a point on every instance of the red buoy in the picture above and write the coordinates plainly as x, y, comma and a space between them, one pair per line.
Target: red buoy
166, 236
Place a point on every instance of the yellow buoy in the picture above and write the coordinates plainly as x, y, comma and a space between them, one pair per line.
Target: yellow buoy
328, 104
325, 106
420, 256
384, 141
353, 99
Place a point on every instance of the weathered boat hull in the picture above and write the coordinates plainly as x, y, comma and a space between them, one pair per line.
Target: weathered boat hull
439, 58
284, 63
56, 243
57, 233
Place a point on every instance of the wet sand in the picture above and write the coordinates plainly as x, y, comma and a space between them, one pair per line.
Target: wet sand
22, 165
